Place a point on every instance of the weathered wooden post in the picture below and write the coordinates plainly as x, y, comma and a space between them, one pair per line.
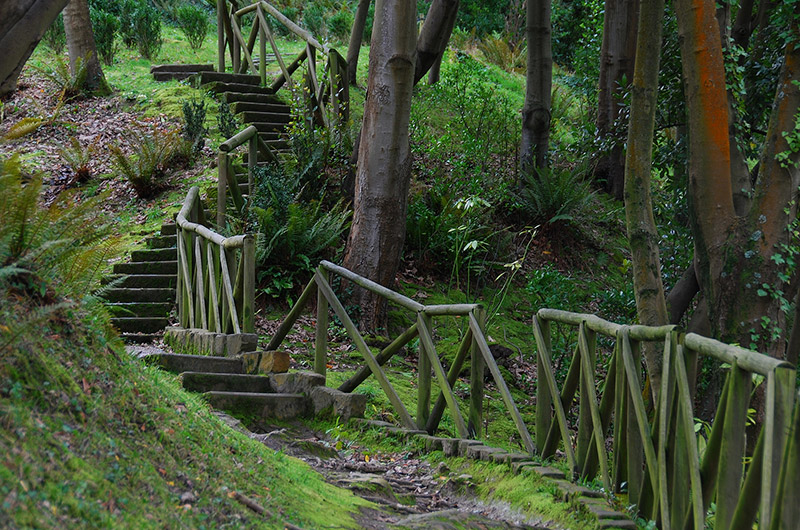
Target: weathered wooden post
476, 372
249, 287
321, 337
222, 185
262, 45
423, 379
252, 162
221, 13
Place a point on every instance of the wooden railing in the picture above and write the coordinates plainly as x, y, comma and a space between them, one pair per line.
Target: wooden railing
473, 344
654, 450
216, 274
326, 97
227, 183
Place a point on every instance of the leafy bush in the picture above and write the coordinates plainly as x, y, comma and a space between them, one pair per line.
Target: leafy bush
340, 24
555, 196
54, 37
127, 17
314, 19
227, 122
193, 22
140, 25
194, 130
62, 244
105, 26
292, 235
154, 153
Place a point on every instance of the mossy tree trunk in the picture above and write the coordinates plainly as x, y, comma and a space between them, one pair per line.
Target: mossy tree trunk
739, 257
22, 24
81, 45
383, 175
642, 233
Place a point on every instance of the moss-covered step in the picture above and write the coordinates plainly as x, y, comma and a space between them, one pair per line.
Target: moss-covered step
137, 309
225, 382
179, 363
141, 281
147, 267
139, 295
140, 324
155, 254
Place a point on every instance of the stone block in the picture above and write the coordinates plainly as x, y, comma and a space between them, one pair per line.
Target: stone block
240, 343
549, 472
624, 524
450, 446
265, 362
519, 464
340, 404
463, 446
296, 382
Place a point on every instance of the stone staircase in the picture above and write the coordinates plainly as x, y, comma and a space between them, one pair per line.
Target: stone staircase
254, 104
141, 292
278, 395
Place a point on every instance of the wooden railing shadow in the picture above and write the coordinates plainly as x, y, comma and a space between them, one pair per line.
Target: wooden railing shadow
654, 456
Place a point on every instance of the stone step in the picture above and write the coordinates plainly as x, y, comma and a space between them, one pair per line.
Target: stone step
242, 88
155, 254
147, 267
224, 382
266, 117
181, 68
235, 97
169, 229
162, 241
243, 79
140, 309
172, 76
277, 109
139, 295
158, 281
273, 406
276, 144
264, 127
139, 338
140, 324
178, 363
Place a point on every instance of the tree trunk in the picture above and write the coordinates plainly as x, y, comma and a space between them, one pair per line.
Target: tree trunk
739, 257
22, 24
642, 233
743, 23
356, 35
376, 238
538, 87
434, 35
617, 56
80, 44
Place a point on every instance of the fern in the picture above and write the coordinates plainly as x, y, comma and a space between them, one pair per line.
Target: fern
146, 169
555, 196
77, 158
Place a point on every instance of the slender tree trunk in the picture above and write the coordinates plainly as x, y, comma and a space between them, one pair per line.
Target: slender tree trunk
384, 163
744, 23
22, 24
356, 36
617, 56
434, 35
642, 233
80, 44
538, 87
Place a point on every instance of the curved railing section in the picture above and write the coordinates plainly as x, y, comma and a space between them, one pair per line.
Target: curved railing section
655, 456
329, 98
216, 274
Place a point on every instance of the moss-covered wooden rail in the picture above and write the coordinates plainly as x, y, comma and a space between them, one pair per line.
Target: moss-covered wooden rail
327, 95
655, 454
473, 345
216, 274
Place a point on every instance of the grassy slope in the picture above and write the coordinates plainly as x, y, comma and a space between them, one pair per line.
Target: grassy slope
91, 437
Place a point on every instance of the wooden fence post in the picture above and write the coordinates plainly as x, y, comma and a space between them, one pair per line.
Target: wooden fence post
423, 381
476, 375
222, 187
249, 284
321, 336
221, 14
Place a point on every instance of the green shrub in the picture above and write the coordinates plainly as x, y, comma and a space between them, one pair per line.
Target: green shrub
105, 26
293, 236
556, 196
340, 24
227, 122
193, 22
147, 25
54, 37
498, 50
154, 152
127, 25
292, 13
314, 19
194, 130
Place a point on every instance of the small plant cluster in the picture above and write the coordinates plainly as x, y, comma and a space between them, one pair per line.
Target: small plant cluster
194, 130
293, 234
155, 153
